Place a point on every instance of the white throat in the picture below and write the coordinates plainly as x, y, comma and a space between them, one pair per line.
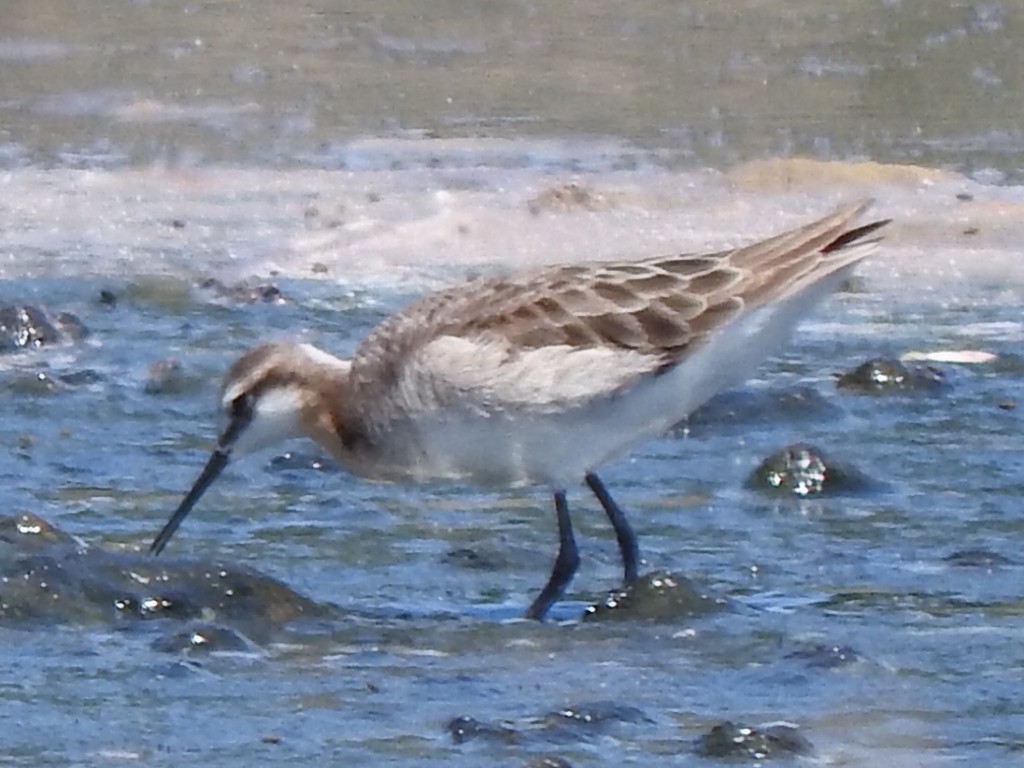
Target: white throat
275, 418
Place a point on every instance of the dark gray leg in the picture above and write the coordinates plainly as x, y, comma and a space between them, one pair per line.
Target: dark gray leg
566, 563
623, 532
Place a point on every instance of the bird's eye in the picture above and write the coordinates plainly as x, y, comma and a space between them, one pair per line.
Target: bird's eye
241, 407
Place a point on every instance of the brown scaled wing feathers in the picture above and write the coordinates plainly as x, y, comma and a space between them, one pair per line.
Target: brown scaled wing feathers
657, 306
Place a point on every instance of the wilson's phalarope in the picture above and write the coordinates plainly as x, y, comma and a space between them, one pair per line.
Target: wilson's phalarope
539, 377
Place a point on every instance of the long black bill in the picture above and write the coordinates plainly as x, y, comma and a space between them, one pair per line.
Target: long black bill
213, 467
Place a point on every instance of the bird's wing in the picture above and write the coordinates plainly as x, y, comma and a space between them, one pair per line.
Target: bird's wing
564, 333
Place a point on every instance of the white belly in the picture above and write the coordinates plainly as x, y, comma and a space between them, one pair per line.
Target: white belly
510, 446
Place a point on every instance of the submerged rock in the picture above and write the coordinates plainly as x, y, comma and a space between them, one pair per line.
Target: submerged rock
570, 725
70, 326
658, 595
977, 558
48, 576
202, 638
740, 408
803, 470
825, 656
33, 383
884, 375
82, 377
465, 728
243, 293
31, 534
772, 740
595, 715
43, 383
23, 326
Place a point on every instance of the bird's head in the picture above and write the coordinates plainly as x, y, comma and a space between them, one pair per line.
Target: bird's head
273, 392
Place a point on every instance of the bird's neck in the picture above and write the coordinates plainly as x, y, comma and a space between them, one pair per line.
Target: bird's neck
331, 417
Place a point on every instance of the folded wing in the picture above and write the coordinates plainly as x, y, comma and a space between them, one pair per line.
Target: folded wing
560, 335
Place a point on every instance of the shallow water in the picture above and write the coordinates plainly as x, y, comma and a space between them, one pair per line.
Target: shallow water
109, 84
148, 152
423, 639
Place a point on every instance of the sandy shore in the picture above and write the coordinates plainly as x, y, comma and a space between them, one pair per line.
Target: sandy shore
421, 225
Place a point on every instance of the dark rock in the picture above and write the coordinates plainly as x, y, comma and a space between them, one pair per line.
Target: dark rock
883, 375
35, 384
660, 595
573, 725
70, 326
741, 408
108, 298
203, 638
80, 378
244, 293
731, 741
29, 533
977, 558
267, 294
594, 716
207, 589
465, 728
40, 383
48, 576
803, 470
29, 327
25, 327
826, 656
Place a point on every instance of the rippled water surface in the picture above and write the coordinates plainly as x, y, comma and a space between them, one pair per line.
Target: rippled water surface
422, 634
92, 84
353, 159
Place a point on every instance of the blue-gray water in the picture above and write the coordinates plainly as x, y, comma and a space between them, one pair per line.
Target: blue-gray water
427, 639
146, 152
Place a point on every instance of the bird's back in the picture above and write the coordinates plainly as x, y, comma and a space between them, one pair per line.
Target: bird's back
619, 349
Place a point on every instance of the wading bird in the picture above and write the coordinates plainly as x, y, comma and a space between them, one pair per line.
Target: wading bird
539, 377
